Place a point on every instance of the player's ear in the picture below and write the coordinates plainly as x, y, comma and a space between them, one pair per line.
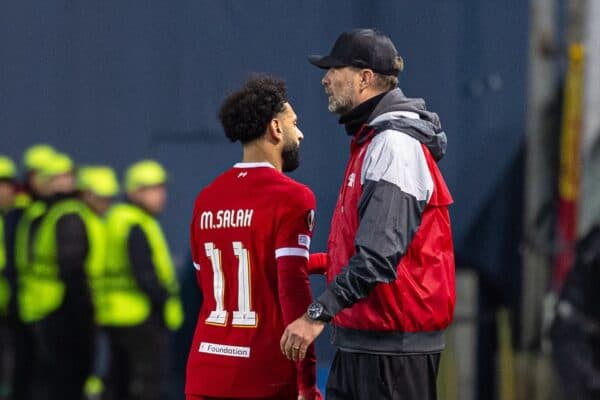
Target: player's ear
275, 130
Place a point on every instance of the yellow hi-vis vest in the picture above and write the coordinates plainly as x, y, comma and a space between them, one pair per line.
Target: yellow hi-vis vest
128, 304
23, 250
22, 200
45, 290
4, 286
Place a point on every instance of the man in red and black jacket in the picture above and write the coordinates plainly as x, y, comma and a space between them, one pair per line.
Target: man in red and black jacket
390, 259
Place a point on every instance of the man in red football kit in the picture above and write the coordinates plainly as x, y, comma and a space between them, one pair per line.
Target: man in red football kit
390, 258
250, 237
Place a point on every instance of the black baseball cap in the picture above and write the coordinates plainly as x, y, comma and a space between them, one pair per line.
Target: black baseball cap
362, 48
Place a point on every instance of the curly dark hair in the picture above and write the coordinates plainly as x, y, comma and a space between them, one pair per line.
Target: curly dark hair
246, 113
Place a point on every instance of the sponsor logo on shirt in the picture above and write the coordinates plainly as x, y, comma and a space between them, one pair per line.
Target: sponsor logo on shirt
224, 350
240, 218
304, 240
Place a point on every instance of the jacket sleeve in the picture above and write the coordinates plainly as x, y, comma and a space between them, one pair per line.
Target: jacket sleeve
143, 267
72, 249
317, 264
396, 186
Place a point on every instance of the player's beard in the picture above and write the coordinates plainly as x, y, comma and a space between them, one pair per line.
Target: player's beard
290, 156
342, 101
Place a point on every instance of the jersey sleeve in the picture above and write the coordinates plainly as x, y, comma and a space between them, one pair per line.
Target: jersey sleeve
296, 224
292, 253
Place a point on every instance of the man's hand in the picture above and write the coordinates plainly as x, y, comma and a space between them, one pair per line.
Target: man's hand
298, 336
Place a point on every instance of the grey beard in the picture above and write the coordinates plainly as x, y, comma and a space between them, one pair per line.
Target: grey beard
339, 107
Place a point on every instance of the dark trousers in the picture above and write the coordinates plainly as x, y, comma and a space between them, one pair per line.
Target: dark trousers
139, 361
7, 357
24, 376
576, 355
360, 376
65, 344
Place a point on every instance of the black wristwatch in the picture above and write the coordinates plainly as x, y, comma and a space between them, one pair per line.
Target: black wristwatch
316, 312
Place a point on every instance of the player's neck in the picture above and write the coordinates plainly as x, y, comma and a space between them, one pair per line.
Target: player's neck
254, 152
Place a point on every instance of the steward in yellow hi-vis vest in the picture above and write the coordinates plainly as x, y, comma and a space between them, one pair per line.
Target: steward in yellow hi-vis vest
53, 181
129, 305
97, 185
69, 249
36, 159
8, 174
141, 288
46, 281
22, 222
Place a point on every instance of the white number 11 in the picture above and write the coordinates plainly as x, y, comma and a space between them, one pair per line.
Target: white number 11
243, 316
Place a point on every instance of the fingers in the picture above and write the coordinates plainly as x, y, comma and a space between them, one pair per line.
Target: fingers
292, 352
288, 348
295, 353
299, 352
302, 351
293, 346
282, 342
298, 336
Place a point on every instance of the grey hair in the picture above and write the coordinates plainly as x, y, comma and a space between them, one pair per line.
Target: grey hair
389, 82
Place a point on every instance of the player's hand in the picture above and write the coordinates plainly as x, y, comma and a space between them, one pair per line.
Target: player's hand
298, 336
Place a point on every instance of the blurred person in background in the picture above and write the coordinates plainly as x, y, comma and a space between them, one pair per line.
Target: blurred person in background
36, 197
98, 187
250, 237
35, 158
390, 257
68, 260
53, 182
68, 249
8, 175
22, 221
575, 332
142, 292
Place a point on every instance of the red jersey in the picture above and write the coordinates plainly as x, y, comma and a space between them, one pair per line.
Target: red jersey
242, 223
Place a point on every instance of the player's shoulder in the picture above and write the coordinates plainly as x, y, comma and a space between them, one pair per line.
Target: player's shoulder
291, 183
295, 192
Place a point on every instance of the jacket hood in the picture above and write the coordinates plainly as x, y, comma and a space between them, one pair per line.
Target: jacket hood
410, 116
